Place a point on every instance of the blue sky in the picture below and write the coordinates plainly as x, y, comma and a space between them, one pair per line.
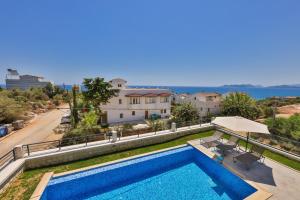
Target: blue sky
157, 42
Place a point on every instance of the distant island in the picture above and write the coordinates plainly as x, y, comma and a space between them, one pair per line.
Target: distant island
260, 86
286, 86
242, 86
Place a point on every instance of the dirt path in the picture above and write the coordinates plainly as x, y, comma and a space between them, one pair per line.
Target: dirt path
39, 130
289, 110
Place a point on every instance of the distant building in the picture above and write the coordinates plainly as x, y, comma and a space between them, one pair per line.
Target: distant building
135, 104
206, 103
179, 98
15, 80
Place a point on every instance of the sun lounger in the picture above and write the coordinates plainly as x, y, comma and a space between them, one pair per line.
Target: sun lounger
215, 137
248, 158
229, 145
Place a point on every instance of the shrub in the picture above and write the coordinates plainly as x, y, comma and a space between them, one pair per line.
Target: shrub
89, 120
185, 112
10, 109
285, 127
57, 99
240, 104
127, 127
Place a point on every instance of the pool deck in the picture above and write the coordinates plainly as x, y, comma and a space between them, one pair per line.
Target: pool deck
270, 177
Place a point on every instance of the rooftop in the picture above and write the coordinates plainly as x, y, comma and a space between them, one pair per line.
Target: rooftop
207, 94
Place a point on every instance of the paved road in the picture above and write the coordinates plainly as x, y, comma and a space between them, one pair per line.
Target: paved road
39, 130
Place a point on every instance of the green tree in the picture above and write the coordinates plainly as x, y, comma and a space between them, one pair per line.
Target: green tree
97, 91
287, 127
185, 112
278, 126
294, 126
89, 120
240, 104
74, 107
49, 90
58, 90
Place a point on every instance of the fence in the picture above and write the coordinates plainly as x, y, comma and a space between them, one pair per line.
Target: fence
281, 151
155, 127
6, 159
106, 138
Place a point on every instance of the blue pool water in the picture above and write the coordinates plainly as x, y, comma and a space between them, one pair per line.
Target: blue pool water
183, 173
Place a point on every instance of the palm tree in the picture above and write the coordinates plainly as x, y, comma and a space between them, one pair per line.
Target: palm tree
240, 104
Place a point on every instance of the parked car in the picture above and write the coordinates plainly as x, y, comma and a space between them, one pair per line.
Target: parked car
66, 119
3, 131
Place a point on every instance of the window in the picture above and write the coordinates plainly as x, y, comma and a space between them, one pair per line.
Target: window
133, 113
208, 109
121, 115
195, 98
120, 101
165, 111
161, 111
209, 98
135, 100
150, 100
119, 85
164, 99
201, 109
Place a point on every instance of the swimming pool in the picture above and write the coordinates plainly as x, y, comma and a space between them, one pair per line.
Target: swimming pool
182, 173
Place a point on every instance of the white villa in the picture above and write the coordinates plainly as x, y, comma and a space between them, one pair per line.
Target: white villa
135, 104
206, 103
15, 80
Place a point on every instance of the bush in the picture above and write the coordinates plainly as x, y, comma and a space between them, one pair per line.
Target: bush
240, 104
10, 109
89, 120
127, 127
289, 128
185, 113
57, 99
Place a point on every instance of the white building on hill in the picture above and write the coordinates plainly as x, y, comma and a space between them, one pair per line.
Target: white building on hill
206, 103
15, 80
135, 104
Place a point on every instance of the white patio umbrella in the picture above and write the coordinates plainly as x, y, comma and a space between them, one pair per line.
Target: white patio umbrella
241, 125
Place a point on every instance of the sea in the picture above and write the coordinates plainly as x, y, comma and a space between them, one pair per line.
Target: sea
255, 92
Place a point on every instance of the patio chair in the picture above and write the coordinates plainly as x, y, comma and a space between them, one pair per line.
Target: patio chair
248, 158
207, 141
231, 144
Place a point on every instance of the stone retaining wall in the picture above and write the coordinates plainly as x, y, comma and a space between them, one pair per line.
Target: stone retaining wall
97, 150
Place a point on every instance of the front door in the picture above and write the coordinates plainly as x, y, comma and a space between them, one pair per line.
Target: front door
104, 118
146, 114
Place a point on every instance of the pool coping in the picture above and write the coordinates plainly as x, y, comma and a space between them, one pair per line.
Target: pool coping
38, 192
260, 194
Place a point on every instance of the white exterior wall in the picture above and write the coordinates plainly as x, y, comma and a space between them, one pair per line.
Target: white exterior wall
180, 98
206, 104
203, 103
114, 109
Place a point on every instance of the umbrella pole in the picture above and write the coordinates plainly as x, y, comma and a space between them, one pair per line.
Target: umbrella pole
247, 141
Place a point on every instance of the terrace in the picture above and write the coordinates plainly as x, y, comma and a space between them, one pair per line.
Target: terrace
277, 179
272, 175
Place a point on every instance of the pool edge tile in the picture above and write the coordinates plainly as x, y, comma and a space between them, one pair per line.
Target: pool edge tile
39, 190
115, 161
